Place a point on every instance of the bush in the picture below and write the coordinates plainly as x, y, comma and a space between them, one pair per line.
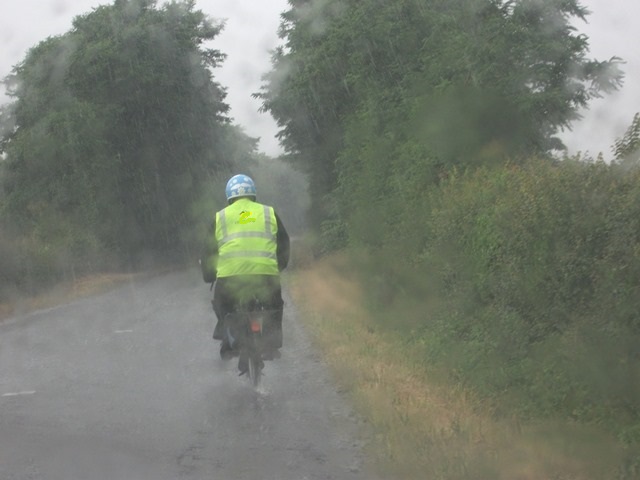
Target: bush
526, 287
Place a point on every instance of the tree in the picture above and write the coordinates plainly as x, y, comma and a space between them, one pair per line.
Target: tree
116, 126
491, 72
627, 148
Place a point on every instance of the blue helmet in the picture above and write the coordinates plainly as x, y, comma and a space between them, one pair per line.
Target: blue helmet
240, 186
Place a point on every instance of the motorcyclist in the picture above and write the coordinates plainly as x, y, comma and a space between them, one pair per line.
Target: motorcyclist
246, 249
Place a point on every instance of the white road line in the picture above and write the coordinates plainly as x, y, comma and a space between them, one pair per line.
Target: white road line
18, 394
123, 331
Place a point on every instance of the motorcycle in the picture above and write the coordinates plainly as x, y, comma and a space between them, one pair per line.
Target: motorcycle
245, 333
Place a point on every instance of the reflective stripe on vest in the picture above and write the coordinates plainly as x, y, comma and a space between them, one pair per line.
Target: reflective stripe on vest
246, 236
249, 253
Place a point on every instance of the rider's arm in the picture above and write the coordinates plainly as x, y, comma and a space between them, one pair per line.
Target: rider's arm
282, 240
207, 258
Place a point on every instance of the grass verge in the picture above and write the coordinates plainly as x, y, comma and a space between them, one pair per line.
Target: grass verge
427, 428
65, 292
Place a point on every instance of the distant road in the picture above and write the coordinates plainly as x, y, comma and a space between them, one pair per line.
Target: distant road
128, 385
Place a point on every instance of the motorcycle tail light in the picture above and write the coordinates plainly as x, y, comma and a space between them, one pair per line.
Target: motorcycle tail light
256, 326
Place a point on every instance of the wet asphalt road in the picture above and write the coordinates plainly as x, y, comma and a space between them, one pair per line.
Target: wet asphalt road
128, 385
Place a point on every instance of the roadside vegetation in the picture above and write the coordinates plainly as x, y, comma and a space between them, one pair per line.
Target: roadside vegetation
425, 424
62, 293
114, 132
508, 347
115, 148
492, 268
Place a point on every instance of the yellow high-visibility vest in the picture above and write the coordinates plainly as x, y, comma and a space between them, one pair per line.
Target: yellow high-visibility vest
246, 236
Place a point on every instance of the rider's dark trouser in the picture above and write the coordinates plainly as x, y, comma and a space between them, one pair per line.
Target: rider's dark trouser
231, 292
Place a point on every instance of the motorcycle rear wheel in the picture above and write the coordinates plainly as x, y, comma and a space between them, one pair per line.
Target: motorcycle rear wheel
255, 370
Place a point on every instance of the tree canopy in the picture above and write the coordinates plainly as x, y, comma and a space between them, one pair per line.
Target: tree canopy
357, 83
115, 127
627, 148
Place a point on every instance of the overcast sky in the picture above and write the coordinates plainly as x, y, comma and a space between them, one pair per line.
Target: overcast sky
251, 32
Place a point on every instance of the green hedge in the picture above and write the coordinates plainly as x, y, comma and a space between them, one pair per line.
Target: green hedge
525, 286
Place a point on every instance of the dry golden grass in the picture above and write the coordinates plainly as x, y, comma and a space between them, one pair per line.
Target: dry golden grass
424, 429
